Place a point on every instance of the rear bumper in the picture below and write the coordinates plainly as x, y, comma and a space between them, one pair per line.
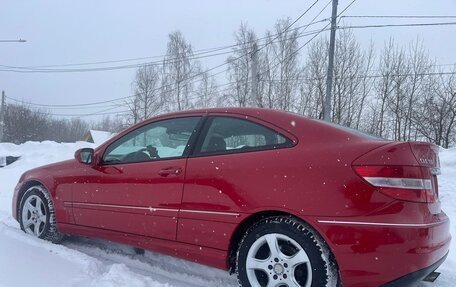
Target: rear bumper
413, 278
372, 252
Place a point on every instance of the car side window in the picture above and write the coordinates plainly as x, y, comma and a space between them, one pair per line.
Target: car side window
226, 135
157, 140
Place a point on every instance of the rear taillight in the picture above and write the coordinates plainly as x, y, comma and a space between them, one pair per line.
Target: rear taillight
411, 183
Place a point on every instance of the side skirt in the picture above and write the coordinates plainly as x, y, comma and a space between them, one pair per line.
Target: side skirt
199, 254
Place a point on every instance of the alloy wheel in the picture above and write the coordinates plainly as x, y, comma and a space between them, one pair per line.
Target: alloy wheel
34, 215
276, 260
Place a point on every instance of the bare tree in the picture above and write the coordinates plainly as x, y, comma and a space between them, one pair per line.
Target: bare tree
280, 69
147, 100
179, 71
24, 124
366, 89
384, 88
239, 67
313, 85
207, 92
403, 74
435, 114
348, 66
110, 124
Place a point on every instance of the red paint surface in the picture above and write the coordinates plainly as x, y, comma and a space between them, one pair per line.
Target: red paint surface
195, 214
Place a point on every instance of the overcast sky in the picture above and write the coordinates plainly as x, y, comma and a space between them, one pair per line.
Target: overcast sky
67, 32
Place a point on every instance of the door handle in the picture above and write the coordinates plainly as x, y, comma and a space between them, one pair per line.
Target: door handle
170, 171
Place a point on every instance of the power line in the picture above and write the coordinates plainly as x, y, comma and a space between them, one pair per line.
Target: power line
365, 76
402, 16
223, 64
346, 8
199, 54
405, 75
397, 25
188, 78
20, 69
102, 112
105, 112
289, 26
325, 28
237, 58
315, 35
97, 69
205, 53
69, 105
51, 106
161, 57
123, 112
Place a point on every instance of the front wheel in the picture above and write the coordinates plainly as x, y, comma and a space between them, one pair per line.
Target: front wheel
36, 214
282, 252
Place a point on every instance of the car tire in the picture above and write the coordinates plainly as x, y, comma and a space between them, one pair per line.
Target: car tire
298, 256
36, 214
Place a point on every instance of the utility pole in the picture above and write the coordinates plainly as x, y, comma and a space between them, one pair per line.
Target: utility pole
2, 116
329, 77
254, 71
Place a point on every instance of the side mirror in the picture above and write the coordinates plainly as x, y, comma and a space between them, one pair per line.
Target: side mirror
84, 155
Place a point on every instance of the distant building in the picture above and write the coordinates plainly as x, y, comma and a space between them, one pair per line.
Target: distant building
6, 160
97, 137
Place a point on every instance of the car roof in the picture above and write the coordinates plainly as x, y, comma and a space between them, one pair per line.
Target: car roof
254, 112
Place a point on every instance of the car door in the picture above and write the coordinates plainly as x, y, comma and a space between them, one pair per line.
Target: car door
225, 177
137, 186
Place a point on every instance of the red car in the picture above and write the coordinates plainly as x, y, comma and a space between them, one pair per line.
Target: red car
280, 199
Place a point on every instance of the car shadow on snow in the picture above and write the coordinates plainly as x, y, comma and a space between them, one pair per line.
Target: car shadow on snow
163, 268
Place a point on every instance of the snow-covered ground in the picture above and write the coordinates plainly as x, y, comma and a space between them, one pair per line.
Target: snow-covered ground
26, 261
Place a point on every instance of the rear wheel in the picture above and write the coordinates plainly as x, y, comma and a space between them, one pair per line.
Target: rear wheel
282, 252
36, 214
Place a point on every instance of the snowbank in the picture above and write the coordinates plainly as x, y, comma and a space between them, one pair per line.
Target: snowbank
25, 261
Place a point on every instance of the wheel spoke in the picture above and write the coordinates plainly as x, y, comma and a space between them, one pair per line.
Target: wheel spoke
29, 206
27, 223
271, 282
299, 258
273, 245
40, 210
42, 218
257, 264
289, 282
36, 228
38, 203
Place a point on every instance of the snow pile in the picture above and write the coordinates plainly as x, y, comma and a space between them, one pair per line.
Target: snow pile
33, 154
25, 261
447, 192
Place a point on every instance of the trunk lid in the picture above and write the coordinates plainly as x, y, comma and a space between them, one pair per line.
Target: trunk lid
427, 156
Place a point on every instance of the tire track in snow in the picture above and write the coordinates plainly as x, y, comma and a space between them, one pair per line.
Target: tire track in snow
162, 268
